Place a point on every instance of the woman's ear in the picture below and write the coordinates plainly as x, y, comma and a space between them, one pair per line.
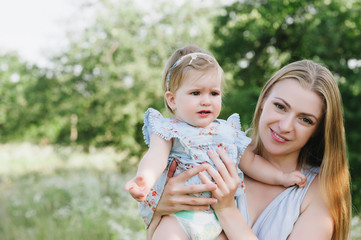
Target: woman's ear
170, 98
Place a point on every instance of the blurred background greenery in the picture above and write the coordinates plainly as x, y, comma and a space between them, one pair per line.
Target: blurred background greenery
71, 131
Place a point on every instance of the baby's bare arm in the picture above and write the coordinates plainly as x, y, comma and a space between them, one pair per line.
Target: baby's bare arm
150, 168
262, 170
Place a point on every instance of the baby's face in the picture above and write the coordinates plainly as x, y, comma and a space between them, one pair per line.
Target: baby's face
198, 100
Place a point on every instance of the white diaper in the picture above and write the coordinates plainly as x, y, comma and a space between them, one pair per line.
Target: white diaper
201, 225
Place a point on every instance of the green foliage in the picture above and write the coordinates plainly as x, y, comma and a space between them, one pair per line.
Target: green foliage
107, 78
255, 38
113, 69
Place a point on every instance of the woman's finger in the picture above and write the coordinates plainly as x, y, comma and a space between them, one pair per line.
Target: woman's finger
184, 176
220, 166
218, 179
194, 201
186, 207
231, 167
195, 208
206, 180
176, 185
198, 188
169, 204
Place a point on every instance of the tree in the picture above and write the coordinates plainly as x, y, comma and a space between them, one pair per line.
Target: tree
112, 70
25, 98
253, 39
100, 87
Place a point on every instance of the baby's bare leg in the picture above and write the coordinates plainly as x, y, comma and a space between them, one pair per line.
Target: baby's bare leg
169, 228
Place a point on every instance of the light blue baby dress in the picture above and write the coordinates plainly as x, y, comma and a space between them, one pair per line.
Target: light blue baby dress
190, 148
277, 219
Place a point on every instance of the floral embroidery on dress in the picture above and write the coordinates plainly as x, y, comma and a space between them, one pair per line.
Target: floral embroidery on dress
190, 148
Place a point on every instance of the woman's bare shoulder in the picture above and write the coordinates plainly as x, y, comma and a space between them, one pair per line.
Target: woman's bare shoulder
313, 196
315, 220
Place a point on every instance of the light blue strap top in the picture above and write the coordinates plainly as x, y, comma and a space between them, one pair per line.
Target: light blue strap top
277, 219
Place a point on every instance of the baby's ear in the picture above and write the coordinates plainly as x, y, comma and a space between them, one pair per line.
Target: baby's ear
170, 98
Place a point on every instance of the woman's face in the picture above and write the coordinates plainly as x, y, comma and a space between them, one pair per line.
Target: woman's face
290, 116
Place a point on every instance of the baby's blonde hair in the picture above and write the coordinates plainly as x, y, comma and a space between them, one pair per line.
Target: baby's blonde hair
177, 67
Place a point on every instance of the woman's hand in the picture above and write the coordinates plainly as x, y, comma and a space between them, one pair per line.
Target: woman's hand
226, 178
228, 181
175, 195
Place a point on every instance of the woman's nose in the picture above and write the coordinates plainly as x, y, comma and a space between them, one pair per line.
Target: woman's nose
286, 123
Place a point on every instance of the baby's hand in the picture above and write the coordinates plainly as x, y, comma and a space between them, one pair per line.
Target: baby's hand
296, 177
137, 187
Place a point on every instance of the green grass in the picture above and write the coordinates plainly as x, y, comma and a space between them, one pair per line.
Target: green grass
44, 196
54, 193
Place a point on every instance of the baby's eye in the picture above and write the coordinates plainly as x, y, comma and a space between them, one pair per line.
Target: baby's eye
196, 93
214, 93
279, 106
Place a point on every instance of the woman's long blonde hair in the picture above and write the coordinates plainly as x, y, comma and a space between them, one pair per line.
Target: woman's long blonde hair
327, 149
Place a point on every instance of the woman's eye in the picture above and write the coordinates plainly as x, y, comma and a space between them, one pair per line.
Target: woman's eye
307, 121
279, 106
195, 93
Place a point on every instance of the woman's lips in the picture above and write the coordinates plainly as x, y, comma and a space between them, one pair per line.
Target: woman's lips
277, 137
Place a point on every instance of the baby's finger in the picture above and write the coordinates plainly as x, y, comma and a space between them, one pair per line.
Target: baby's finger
300, 175
302, 179
129, 185
302, 183
137, 194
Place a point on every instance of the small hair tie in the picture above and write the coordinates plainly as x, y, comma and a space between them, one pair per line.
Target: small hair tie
193, 56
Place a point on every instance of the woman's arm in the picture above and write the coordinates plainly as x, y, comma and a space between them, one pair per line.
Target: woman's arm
227, 180
175, 195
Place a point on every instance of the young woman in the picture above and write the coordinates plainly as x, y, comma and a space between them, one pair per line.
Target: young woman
298, 125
